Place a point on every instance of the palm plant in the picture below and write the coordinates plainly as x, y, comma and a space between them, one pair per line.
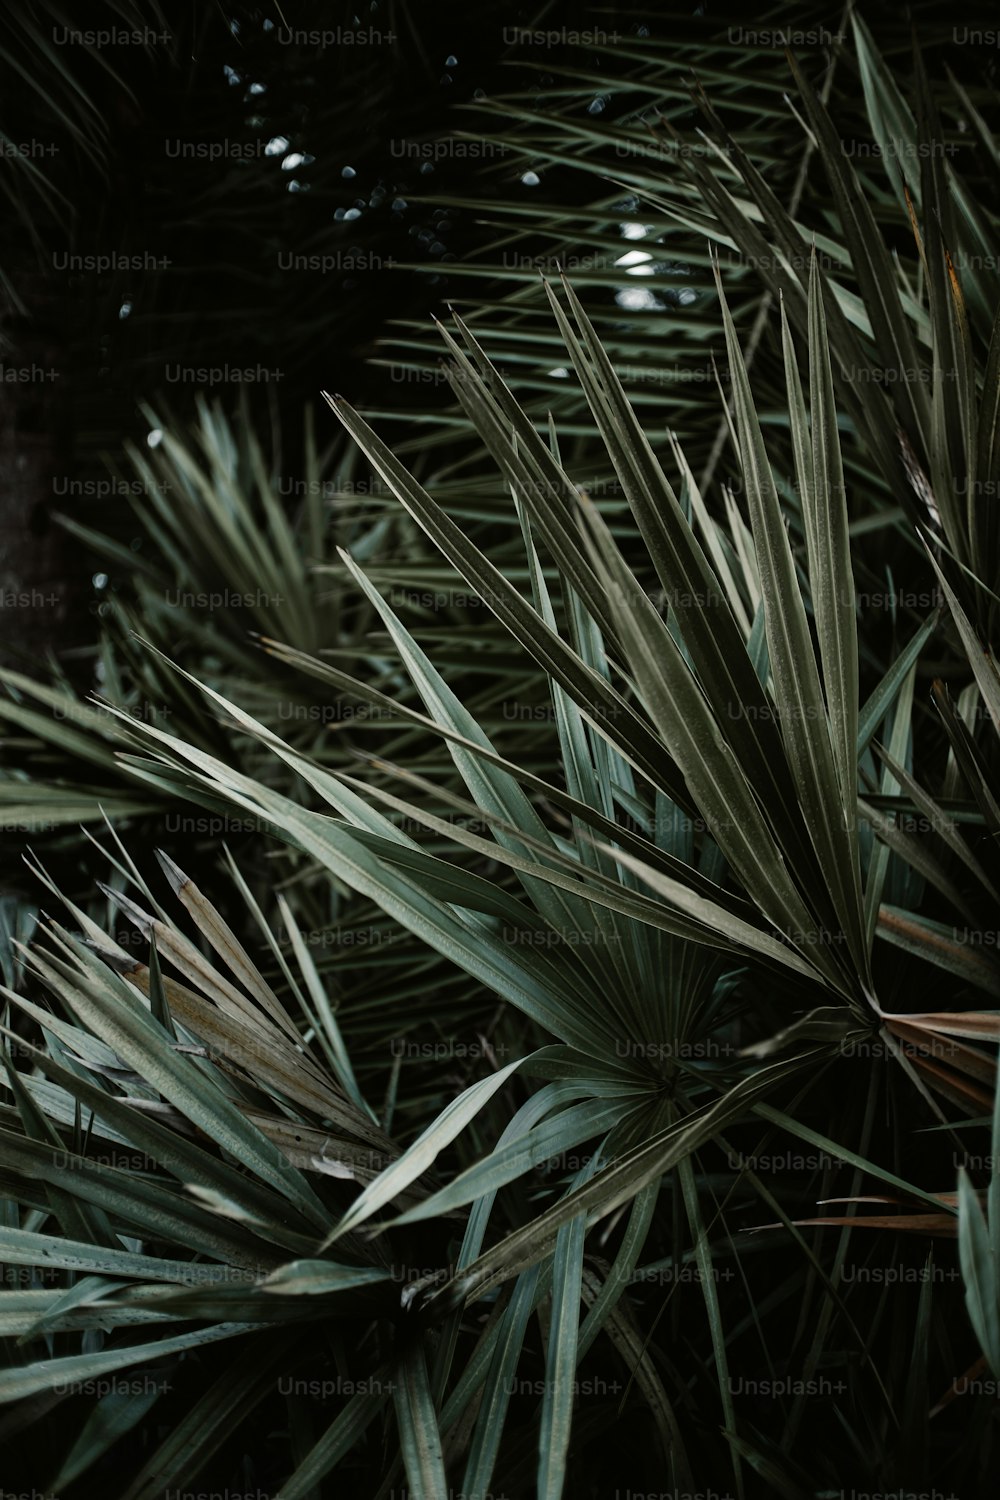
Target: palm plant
713, 906
217, 552
895, 195
689, 854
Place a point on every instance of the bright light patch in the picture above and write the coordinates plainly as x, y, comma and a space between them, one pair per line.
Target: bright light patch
633, 259
635, 299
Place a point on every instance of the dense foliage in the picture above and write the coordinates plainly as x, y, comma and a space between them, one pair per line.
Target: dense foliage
505, 980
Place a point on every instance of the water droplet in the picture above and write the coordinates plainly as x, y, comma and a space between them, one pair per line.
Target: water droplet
348, 172
531, 179
276, 146
451, 61
154, 438
353, 213
258, 88
398, 205
124, 310
100, 580
426, 168
232, 77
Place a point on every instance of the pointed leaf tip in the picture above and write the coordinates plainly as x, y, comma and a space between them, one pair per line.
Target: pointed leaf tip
178, 880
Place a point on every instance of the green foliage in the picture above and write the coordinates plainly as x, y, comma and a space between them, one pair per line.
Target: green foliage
703, 890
